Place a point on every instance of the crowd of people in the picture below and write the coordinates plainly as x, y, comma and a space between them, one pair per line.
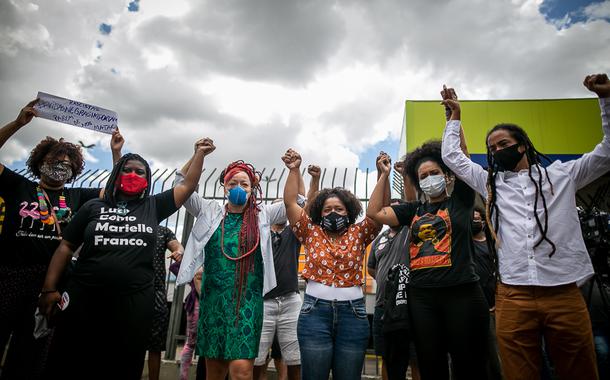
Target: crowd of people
477, 272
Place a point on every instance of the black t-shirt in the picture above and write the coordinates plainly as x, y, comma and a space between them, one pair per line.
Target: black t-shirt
385, 252
118, 247
286, 249
24, 239
485, 268
441, 246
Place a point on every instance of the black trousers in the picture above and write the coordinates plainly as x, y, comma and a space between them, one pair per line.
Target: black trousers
19, 289
396, 353
450, 320
101, 335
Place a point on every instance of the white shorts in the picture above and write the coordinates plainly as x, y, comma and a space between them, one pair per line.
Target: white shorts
281, 317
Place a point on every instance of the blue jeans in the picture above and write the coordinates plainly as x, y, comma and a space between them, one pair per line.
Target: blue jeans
332, 335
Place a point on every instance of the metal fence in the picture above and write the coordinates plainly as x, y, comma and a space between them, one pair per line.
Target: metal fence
359, 182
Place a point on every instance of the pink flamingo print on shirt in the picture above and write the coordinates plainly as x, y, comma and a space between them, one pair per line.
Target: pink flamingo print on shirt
32, 213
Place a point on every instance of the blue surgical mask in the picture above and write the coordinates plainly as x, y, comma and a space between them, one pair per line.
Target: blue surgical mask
238, 196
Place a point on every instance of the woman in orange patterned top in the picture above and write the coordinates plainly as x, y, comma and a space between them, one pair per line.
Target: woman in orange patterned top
333, 327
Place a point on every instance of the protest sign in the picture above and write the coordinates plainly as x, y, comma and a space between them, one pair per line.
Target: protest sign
76, 113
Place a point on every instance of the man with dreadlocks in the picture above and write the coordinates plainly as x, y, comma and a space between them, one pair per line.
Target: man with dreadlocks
108, 303
36, 212
533, 219
234, 245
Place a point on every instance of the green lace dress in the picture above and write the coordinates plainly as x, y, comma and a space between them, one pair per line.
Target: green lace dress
219, 336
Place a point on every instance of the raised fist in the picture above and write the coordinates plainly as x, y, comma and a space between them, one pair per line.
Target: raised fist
205, 145
314, 171
599, 84
292, 159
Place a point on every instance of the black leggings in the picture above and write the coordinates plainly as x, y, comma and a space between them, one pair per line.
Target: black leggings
452, 320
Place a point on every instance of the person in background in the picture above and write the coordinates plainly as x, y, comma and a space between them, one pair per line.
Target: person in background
275, 354
541, 253
485, 268
107, 305
382, 256
191, 306
166, 240
36, 212
333, 328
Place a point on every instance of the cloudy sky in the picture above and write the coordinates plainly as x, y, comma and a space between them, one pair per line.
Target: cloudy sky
328, 78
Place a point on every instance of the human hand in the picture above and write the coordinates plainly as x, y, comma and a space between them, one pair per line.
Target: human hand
599, 84
176, 256
292, 159
399, 166
314, 171
47, 302
205, 145
383, 163
448, 93
116, 141
27, 113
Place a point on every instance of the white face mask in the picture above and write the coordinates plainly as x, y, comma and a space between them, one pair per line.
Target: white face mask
433, 185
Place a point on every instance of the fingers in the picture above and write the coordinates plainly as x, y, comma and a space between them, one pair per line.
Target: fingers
33, 102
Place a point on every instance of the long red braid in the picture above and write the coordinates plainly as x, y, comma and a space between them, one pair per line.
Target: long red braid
249, 235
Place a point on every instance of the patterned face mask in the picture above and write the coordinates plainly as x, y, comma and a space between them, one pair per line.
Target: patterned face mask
58, 171
335, 222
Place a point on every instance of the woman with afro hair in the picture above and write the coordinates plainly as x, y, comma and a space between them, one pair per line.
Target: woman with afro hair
233, 243
333, 327
449, 314
33, 214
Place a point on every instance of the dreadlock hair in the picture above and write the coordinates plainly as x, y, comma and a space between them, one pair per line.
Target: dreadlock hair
428, 151
110, 191
249, 234
349, 200
51, 148
534, 158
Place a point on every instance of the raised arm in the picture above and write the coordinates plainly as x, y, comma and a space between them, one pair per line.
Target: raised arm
116, 145
292, 159
26, 115
449, 93
314, 185
184, 189
453, 152
594, 164
378, 208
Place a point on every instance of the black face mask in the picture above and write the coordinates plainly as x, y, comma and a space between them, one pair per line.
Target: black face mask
508, 158
334, 222
477, 227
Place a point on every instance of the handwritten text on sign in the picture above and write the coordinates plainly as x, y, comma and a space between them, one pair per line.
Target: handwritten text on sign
76, 113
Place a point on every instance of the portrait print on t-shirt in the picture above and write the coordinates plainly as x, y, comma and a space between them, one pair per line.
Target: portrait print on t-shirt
431, 241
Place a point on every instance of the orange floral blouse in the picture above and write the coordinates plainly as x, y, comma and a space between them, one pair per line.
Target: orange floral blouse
337, 263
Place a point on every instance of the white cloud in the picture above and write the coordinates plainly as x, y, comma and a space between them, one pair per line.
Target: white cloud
598, 10
328, 78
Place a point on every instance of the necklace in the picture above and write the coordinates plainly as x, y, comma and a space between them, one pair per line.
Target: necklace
122, 208
63, 213
222, 243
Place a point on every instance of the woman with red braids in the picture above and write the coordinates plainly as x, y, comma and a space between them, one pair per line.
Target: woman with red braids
234, 245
